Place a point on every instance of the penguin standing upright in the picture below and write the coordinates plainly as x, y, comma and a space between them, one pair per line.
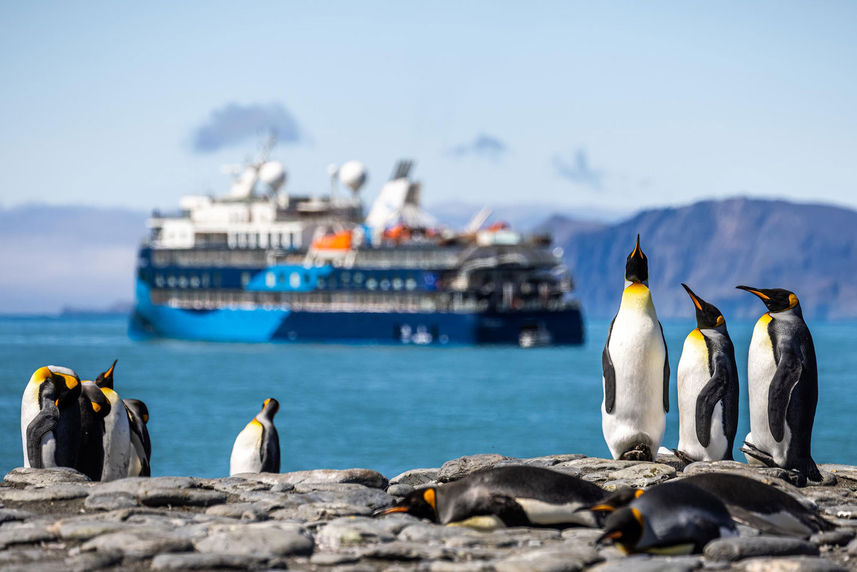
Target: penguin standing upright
707, 388
117, 438
50, 418
783, 386
257, 447
139, 449
94, 408
636, 370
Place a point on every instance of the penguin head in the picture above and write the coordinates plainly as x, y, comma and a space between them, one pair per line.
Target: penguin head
270, 407
105, 378
421, 503
776, 299
615, 500
138, 408
97, 400
637, 265
66, 384
625, 527
707, 315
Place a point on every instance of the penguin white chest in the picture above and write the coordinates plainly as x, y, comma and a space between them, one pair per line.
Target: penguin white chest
246, 452
116, 440
761, 367
637, 351
693, 375
29, 409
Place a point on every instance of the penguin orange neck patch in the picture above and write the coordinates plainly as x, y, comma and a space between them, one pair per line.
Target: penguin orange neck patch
431, 499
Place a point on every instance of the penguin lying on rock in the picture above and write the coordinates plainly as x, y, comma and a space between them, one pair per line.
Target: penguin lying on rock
672, 518
782, 378
749, 501
517, 495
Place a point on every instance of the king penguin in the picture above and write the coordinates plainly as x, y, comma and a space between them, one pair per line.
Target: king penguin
94, 408
50, 418
139, 450
671, 518
257, 447
636, 370
783, 386
517, 495
707, 388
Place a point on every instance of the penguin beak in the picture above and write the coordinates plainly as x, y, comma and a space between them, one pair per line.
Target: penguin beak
597, 508
755, 291
693, 297
391, 510
636, 251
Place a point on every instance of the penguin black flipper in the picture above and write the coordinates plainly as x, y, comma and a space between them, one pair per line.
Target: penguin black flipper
43, 423
784, 381
609, 374
713, 393
271, 457
666, 371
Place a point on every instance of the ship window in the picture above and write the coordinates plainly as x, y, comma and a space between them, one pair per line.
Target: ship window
194, 281
385, 284
281, 278
182, 281
206, 279
274, 240
245, 279
333, 283
371, 283
358, 277
171, 281
410, 283
346, 277
159, 280
295, 280
270, 279
321, 282
397, 283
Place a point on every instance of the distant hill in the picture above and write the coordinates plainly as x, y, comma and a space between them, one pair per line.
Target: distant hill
714, 246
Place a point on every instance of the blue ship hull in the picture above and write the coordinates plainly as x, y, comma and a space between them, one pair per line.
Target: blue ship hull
282, 325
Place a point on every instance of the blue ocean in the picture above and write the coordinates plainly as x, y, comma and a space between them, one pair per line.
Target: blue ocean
388, 408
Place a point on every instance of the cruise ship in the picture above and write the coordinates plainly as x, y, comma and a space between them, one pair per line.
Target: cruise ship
262, 265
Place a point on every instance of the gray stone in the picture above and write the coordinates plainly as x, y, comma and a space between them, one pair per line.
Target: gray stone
732, 549
209, 561
847, 511
399, 550
332, 558
416, 478
24, 476
346, 532
241, 510
58, 492
463, 466
139, 486
11, 514
365, 477
110, 501
92, 561
233, 485
258, 539
592, 468
139, 543
642, 475
839, 537
400, 490
799, 564
556, 558
84, 529
24, 534
433, 533
466, 566
646, 563
181, 497
551, 460
282, 487
316, 511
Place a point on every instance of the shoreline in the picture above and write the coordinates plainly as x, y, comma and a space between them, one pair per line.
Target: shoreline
55, 519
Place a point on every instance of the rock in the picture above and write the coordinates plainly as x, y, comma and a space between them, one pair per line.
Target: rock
140, 486
738, 548
416, 478
86, 529
240, 510
365, 477
110, 501
24, 476
332, 558
400, 490
263, 540
92, 561
138, 543
463, 466
640, 475
24, 534
838, 537
847, 511
559, 558
592, 468
11, 514
58, 492
645, 563
181, 497
799, 564
210, 561
432, 533
354, 532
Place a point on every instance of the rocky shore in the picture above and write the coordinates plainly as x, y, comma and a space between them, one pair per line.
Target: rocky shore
56, 519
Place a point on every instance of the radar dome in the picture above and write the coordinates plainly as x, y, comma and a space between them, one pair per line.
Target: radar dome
273, 174
353, 175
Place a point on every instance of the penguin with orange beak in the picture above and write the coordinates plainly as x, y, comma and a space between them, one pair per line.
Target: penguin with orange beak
50, 418
257, 446
782, 379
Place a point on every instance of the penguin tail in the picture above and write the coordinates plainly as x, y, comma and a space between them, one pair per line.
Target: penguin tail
683, 457
752, 451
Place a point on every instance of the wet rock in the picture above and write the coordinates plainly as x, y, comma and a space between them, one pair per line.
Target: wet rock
365, 477
58, 492
258, 539
732, 549
110, 501
196, 561
24, 534
416, 478
799, 564
24, 476
463, 466
11, 514
139, 543
640, 475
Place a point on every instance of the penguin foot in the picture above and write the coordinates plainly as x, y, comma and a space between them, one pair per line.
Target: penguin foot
752, 451
640, 452
808, 469
683, 457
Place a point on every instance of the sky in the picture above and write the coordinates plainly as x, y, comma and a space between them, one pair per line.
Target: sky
611, 105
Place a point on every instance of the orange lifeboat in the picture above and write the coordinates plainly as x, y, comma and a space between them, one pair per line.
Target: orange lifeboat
337, 241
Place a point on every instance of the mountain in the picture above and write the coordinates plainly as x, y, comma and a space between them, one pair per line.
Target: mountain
58, 256
713, 246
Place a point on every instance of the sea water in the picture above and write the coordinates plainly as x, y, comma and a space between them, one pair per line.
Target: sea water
387, 408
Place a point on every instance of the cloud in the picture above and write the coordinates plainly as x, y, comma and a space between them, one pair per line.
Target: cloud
579, 170
235, 123
484, 146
